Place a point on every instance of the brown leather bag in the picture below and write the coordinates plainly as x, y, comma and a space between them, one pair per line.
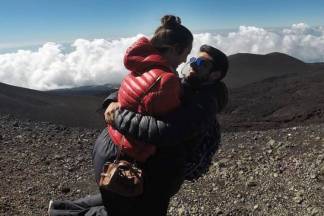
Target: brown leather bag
122, 177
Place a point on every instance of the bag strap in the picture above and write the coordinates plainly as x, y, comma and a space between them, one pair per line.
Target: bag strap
164, 68
140, 98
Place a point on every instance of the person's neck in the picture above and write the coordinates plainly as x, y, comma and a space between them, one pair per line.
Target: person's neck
208, 82
170, 60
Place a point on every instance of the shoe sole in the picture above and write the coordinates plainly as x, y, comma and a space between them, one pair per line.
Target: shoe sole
49, 207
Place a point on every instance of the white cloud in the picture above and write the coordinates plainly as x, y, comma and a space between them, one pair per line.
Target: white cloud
99, 61
300, 40
90, 62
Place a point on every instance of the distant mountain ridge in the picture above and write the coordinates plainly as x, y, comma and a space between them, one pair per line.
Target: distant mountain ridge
43, 106
95, 90
291, 99
275, 89
245, 68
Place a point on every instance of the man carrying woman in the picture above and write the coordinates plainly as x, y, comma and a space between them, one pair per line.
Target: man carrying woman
184, 139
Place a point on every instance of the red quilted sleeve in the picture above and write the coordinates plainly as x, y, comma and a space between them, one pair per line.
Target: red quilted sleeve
165, 97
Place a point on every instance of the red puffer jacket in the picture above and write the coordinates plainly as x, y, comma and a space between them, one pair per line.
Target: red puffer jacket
151, 87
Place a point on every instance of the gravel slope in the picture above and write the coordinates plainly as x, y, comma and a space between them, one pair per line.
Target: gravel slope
274, 172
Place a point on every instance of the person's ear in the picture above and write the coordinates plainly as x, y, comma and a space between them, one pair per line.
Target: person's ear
178, 49
215, 75
171, 51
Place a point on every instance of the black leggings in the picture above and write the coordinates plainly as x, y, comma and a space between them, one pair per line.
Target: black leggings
88, 206
163, 177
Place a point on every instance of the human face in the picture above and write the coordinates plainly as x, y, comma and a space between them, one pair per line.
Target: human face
201, 66
200, 69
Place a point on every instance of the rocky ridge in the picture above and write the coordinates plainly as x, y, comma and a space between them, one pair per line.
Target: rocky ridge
272, 172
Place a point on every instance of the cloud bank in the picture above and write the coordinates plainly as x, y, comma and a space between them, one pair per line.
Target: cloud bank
99, 61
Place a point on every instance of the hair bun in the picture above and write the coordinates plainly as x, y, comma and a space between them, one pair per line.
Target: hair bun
170, 21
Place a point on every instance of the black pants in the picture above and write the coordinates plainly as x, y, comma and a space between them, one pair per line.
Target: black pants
163, 177
121, 206
154, 201
161, 182
88, 206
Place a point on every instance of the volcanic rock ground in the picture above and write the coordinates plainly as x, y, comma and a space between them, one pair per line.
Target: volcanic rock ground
271, 161
272, 172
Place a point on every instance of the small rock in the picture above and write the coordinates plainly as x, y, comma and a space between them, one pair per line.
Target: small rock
319, 159
251, 183
223, 162
71, 169
29, 189
58, 157
218, 211
80, 159
171, 209
321, 170
298, 199
315, 211
313, 176
321, 173
271, 142
65, 190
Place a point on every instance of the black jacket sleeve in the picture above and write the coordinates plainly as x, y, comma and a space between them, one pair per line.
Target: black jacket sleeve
111, 98
178, 125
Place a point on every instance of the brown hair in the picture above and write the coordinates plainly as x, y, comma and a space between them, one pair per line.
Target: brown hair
171, 34
220, 60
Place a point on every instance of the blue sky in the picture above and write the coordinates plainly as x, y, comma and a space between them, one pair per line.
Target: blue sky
84, 54
25, 22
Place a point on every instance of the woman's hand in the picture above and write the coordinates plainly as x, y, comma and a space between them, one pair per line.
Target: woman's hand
110, 112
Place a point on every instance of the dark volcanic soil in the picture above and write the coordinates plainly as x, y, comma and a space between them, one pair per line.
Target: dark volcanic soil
274, 172
71, 110
40, 161
246, 68
288, 100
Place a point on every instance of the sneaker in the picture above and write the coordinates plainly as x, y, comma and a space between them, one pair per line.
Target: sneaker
50, 206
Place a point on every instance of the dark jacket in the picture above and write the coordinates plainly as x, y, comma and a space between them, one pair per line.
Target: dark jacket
194, 125
199, 107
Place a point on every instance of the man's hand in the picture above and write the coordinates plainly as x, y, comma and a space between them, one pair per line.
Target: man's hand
110, 112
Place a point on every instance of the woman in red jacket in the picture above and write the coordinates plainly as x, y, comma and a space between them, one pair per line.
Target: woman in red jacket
152, 86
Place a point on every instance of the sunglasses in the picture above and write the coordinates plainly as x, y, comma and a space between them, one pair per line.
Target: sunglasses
200, 62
